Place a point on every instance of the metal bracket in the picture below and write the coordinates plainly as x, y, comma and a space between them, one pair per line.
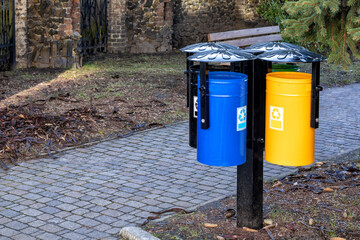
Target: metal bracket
204, 95
315, 95
187, 72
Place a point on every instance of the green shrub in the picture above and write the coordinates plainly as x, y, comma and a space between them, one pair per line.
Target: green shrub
271, 10
330, 24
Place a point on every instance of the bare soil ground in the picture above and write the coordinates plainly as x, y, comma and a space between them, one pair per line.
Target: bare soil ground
44, 110
321, 202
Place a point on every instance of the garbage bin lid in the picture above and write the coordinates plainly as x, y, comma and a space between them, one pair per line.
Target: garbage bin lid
207, 46
273, 46
292, 55
253, 51
222, 55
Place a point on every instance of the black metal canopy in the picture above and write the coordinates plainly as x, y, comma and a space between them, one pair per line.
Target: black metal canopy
273, 46
207, 46
292, 56
222, 55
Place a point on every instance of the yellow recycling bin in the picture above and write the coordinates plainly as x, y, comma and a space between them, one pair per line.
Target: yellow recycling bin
289, 139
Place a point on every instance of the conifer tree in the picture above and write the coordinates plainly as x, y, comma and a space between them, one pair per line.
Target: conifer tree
332, 23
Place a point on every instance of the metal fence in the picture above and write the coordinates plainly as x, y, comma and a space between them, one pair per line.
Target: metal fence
7, 34
93, 26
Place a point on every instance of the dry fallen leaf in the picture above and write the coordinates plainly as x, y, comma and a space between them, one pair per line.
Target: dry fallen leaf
337, 238
345, 215
328, 189
250, 229
230, 213
270, 226
220, 238
268, 221
232, 237
276, 184
210, 225
311, 221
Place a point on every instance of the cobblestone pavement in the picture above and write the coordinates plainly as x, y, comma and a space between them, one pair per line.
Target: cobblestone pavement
90, 193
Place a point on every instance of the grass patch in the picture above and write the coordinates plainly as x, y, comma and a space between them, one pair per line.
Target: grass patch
332, 75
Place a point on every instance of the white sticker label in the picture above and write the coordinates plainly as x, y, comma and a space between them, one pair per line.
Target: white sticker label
241, 118
277, 118
195, 107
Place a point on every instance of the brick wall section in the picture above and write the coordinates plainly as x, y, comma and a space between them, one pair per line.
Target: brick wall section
76, 15
116, 27
53, 41
21, 33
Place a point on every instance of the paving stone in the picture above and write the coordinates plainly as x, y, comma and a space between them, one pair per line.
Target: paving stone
50, 228
36, 223
47, 236
50, 210
10, 197
62, 214
69, 225
73, 218
45, 217
88, 222
100, 202
54, 203
16, 225
29, 231
22, 237
112, 213
4, 220
8, 232
98, 235
9, 213
67, 199
67, 207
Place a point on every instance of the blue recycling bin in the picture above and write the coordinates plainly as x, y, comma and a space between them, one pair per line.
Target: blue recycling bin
224, 142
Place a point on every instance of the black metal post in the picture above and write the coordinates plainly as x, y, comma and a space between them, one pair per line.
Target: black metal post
250, 174
204, 95
315, 96
193, 105
187, 72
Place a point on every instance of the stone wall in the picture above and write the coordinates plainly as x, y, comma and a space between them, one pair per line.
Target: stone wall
148, 26
247, 13
21, 33
116, 27
194, 19
53, 34
48, 31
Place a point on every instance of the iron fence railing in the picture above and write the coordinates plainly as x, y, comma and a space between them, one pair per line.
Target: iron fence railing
94, 26
7, 34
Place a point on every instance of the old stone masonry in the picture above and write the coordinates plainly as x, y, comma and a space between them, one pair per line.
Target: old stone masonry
92, 192
51, 34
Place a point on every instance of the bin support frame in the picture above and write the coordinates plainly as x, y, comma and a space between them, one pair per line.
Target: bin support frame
187, 72
204, 95
315, 95
250, 175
